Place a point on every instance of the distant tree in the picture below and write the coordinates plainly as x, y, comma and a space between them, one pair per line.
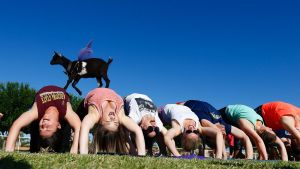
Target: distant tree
75, 101
16, 98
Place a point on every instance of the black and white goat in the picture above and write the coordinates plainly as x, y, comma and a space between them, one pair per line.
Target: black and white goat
89, 68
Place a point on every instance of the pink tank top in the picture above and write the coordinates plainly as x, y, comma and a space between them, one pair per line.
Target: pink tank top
98, 96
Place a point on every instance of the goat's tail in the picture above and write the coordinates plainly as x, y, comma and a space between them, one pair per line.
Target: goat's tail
109, 61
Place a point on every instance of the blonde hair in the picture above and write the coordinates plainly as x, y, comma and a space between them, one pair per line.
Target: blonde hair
190, 143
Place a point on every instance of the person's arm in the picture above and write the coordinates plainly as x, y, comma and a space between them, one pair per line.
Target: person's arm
25, 119
1, 115
282, 149
169, 138
133, 127
87, 124
248, 128
217, 134
74, 121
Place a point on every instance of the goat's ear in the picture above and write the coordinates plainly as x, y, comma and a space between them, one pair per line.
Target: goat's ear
57, 53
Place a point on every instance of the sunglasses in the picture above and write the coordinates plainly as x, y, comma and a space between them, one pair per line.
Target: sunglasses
151, 129
192, 131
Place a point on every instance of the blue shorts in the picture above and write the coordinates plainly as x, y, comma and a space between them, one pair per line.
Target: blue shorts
214, 118
206, 111
282, 134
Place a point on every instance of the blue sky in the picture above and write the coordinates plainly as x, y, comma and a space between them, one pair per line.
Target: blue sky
223, 52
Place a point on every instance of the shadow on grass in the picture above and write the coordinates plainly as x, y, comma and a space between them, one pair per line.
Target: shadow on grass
10, 163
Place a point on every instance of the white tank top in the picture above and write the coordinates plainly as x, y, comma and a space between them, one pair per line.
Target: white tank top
180, 113
139, 105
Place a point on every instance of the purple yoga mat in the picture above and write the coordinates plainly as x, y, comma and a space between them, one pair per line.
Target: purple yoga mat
191, 157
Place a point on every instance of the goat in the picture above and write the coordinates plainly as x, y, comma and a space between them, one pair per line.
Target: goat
89, 68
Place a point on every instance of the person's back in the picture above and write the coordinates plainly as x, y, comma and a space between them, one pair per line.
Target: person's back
179, 113
238, 111
139, 105
272, 113
200, 106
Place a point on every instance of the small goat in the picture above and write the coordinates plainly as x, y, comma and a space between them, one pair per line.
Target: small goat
89, 68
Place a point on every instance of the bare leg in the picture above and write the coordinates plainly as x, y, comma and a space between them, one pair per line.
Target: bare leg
224, 152
248, 128
215, 133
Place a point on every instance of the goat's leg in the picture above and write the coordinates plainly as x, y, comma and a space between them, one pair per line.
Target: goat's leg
100, 84
107, 81
74, 86
68, 83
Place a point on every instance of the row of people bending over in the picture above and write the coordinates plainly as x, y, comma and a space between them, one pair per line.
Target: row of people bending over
132, 124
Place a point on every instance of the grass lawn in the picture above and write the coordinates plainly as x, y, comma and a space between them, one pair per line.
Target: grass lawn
26, 161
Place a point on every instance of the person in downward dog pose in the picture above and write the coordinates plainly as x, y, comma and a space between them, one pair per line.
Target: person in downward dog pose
211, 117
185, 122
47, 116
143, 111
252, 124
105, 110
282, 116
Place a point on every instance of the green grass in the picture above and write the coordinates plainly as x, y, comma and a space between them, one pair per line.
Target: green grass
26, 161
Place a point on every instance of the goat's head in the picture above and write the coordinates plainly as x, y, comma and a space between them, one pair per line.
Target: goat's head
56, 59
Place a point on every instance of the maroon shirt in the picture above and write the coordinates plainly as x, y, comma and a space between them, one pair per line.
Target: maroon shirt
52, 96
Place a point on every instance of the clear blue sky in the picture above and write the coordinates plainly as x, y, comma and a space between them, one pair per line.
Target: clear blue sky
223, 52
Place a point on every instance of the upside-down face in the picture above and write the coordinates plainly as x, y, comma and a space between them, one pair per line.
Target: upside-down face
49, 123
110, 119
148, 125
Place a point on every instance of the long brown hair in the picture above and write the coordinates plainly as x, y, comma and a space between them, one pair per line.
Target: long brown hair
106, 141
268, 138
